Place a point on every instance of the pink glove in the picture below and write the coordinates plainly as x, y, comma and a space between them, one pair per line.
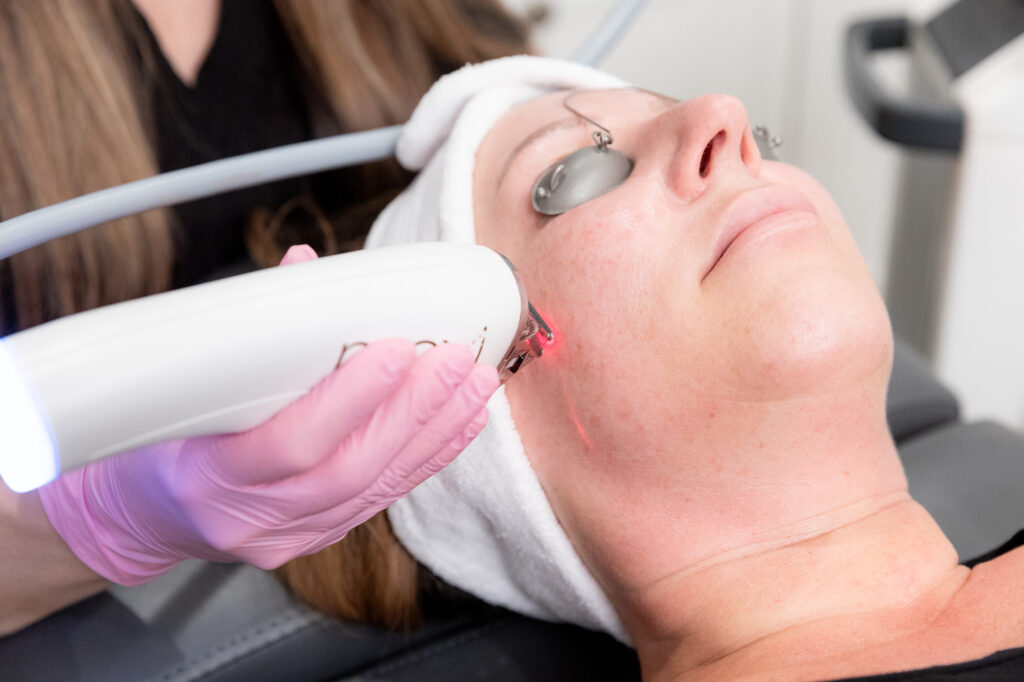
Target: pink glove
362, 438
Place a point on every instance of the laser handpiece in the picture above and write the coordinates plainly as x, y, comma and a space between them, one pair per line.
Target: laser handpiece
224, 356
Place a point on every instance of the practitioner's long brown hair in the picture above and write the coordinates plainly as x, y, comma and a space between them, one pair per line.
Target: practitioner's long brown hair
71, 123
76, 78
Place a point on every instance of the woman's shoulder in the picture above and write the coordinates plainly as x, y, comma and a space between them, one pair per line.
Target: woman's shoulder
981, 630
985, 617
996, 594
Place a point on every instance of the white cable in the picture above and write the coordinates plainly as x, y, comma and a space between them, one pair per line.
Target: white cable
175, 187
42, 225
596, 47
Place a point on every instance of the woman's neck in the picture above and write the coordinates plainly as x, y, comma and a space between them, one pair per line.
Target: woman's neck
877, 572
747, 533
184, 30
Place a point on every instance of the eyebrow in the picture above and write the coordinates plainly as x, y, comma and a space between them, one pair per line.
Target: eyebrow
536, 136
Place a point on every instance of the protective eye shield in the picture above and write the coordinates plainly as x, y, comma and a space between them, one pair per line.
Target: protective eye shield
591, 172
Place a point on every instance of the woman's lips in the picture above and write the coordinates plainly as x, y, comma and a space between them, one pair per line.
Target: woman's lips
750, 208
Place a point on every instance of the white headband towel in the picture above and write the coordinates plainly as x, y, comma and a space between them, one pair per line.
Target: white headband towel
484, 524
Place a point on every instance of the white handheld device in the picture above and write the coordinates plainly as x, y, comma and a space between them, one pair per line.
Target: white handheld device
224, 356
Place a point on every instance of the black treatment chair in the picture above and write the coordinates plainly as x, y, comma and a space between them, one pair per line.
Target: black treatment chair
224, 623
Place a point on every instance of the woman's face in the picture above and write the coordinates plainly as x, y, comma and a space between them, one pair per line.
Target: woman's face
689, 303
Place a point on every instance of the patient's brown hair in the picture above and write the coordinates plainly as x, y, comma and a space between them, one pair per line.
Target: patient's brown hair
367, 577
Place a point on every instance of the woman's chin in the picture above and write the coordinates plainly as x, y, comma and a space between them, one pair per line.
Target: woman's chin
822, 339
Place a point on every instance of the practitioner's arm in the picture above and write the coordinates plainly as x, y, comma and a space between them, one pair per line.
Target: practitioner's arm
38, 573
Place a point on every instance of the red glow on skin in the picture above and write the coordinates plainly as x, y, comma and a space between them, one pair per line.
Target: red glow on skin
587, 442
550, 352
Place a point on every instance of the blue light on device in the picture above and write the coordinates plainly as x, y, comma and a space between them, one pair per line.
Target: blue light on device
29, 456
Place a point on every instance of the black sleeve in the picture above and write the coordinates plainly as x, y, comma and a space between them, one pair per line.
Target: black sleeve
1002, 666
1011, 544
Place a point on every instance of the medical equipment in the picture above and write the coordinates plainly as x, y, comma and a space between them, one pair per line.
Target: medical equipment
589, 172
224, 356
957, 230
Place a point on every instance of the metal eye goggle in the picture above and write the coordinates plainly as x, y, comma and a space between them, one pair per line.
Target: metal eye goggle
766, 143
583, 175
592, 171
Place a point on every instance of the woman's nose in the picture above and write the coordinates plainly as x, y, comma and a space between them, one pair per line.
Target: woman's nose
709, 138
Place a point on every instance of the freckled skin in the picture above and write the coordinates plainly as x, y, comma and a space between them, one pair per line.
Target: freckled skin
669, 393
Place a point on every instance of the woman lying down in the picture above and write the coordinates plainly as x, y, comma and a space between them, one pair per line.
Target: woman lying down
701, 464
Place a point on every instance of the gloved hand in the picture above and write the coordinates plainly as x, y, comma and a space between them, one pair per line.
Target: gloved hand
362, 438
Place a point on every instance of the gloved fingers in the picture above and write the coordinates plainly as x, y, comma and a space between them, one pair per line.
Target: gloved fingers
285, 546
257, 495
447, 426
300, 436
298, 254
382, 495
388, 491
360, 459
447, 434
335, 523
267, 540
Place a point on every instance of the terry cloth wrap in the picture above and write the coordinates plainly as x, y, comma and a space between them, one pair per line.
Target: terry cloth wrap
484, 524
